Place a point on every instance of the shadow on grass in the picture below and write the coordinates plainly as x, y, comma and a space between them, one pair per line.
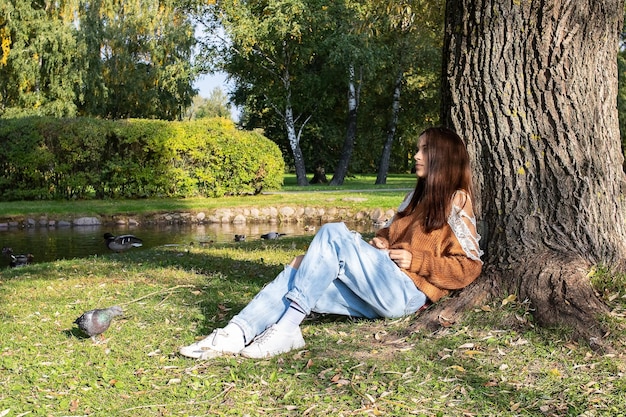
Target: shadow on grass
75, 333
226, 279
233, 272
231, 282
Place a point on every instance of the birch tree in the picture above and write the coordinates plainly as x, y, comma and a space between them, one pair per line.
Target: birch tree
412, 27
354, 42
269, 52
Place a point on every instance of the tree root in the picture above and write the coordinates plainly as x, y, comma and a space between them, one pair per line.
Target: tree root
560, 291
558, 288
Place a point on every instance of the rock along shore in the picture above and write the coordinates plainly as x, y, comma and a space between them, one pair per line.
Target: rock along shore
272, 215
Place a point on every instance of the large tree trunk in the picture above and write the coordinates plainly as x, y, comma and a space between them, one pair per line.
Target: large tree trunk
532, 87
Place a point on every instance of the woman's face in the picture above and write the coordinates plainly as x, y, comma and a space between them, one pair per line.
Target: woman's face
421, 161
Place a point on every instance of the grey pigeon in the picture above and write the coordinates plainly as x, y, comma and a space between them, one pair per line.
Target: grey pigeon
122, 242
97, 321
272, 235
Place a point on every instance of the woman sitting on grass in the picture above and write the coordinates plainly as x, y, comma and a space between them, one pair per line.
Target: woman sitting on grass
429, 248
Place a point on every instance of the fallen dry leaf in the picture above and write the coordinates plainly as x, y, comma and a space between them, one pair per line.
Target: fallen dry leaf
509, 299
74, 404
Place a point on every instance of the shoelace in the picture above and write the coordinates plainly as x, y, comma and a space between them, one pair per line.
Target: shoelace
218, 332
266, 335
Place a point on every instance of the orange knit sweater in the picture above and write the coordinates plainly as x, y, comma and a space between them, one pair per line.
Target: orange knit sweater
439, 262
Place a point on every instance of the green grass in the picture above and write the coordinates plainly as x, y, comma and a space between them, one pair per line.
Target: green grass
496, 363
355, 182
362, 194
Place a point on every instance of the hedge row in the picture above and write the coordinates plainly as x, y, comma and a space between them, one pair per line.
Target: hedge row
49, 158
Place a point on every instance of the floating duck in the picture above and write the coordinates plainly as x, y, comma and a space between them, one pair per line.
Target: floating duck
122, 242
272, 235
16, 261
309, 228
240, 238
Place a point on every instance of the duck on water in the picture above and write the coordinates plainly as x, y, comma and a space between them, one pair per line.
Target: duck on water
122, 242
15, 261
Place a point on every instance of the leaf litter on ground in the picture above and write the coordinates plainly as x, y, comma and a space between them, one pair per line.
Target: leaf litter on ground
494, 363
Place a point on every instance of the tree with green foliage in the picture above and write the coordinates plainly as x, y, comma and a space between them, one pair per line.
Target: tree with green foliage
413, 35
138, 59
273, 57
336, 63
352, 51
39, 58
103, 58
216, 105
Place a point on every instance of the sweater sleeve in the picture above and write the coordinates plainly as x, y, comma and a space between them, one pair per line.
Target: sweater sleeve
451, 271
383, 233
453, 260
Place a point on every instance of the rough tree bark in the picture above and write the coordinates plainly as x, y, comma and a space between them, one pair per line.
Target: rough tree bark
532, 86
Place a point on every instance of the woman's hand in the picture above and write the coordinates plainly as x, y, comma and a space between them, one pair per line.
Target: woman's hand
401, 257
379, 243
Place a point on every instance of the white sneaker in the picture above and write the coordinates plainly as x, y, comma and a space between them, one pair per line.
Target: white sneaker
218, 343
273, 341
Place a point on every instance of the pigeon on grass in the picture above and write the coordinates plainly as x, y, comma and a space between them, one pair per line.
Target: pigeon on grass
95, 322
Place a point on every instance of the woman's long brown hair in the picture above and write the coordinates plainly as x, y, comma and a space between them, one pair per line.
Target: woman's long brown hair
448, 171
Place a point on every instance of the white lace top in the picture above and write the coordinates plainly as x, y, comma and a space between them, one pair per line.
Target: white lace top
463, 226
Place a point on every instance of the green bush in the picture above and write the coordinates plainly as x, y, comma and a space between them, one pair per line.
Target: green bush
48, 158
25, 161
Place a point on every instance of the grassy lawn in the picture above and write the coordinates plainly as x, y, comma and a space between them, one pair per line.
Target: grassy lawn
496, 363
357, 182
362, 192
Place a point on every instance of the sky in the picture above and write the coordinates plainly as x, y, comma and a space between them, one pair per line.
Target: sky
206, 83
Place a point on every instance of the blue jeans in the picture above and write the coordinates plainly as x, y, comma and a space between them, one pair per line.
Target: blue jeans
339, 274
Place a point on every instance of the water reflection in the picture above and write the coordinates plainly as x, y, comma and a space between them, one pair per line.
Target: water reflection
48, 244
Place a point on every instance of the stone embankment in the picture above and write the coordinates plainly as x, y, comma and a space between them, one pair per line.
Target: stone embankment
272, 215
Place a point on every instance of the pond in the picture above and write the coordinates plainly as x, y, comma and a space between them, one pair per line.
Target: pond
49, 244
